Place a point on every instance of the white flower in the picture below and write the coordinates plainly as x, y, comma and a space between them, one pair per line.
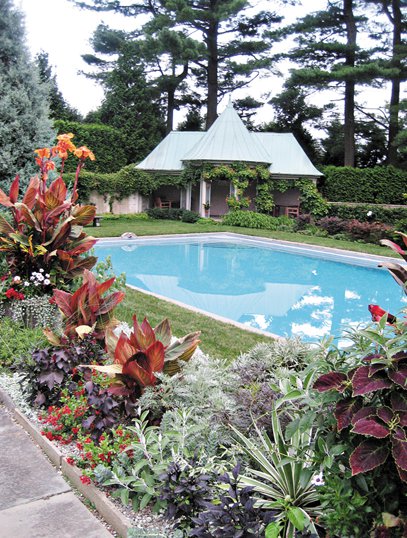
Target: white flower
36, 283
40, 277
318, 479
32, 278
41, 270
17, 279
26, 284
46, 275
47, 282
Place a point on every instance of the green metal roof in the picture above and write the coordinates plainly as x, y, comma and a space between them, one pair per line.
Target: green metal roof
228, 140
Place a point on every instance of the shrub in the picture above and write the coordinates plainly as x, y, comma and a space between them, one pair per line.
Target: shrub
333, 225
107, 144
167, 214
50, 369
189, 216
370, 232
302, 221
19, 348
251, 219
379, 185
387, 215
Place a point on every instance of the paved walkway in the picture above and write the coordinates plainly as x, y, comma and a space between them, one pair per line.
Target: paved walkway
35, 500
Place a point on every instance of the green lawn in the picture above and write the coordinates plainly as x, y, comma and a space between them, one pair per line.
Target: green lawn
114, 228
217, 339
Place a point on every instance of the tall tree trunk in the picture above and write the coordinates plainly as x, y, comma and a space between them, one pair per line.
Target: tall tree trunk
349, 114
394, 126
212, 44
170, 109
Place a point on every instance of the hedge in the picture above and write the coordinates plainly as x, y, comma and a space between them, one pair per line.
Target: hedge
106, 143
387, 215
378, 185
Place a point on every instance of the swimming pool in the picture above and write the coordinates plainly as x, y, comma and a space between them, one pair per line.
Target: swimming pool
278, 288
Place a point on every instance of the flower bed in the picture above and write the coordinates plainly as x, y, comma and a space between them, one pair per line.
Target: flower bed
223, 450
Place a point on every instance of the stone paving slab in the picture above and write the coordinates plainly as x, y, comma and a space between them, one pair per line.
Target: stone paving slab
35, 501
25, 474
60, 516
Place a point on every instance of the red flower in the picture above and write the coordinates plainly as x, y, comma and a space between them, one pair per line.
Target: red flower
85, 480
75, 430
70, 461
79, 446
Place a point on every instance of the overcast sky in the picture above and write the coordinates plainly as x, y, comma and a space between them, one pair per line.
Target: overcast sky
64, 31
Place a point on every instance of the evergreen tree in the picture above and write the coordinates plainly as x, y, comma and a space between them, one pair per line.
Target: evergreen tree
226, 65
131, 106
329, 55
294, 115
59, 108
395, 66
24, 113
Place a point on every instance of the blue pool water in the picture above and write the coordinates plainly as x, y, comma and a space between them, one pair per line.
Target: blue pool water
280, 292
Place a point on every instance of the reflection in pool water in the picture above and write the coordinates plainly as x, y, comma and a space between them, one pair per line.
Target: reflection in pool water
279, 292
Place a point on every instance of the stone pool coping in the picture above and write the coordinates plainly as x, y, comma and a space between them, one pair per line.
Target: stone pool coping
329, 253
107, 510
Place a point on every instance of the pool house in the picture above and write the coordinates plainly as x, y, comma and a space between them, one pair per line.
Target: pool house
227, 142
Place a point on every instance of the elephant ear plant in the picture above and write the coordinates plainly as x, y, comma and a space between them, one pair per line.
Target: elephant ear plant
45, 233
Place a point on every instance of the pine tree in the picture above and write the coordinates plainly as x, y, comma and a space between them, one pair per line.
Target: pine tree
225, 65
330, 56
24, 112
131, 106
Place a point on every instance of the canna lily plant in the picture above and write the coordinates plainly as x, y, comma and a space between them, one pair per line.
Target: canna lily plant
397, 271
46, 228
138, 357
86, 310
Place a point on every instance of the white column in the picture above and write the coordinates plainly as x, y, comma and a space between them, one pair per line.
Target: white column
202, 197
188, 197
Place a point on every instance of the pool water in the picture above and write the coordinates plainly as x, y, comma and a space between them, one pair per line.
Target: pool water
279, 292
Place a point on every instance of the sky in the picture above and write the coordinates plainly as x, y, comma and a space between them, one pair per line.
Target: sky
64, 31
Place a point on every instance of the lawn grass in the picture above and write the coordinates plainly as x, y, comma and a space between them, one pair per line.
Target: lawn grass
218, 339
114, 228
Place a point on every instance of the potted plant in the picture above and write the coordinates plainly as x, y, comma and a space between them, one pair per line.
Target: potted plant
206, 207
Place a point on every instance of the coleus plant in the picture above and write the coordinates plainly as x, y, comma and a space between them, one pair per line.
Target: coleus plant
87, 309
398, 272
46, 226
372, 402
139, 356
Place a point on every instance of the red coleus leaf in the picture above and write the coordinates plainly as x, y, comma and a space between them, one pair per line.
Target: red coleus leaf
104, 286
398, 401
156, 355
372, 427
344, 411
365, 412
402, 474
367, 456
331, 381
386, 414
399, 448
163, 332
398, 272
363, 383
394, 246
399, 376
4, 199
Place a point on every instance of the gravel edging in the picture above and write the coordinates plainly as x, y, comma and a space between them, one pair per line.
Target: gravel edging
107, 510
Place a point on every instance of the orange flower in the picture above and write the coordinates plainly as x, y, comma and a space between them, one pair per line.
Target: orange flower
49, 165
83, 153
65, 137
43, 153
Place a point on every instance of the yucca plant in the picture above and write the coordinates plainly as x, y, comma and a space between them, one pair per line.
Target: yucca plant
46, 226
137, 358
87, 307
281, 479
